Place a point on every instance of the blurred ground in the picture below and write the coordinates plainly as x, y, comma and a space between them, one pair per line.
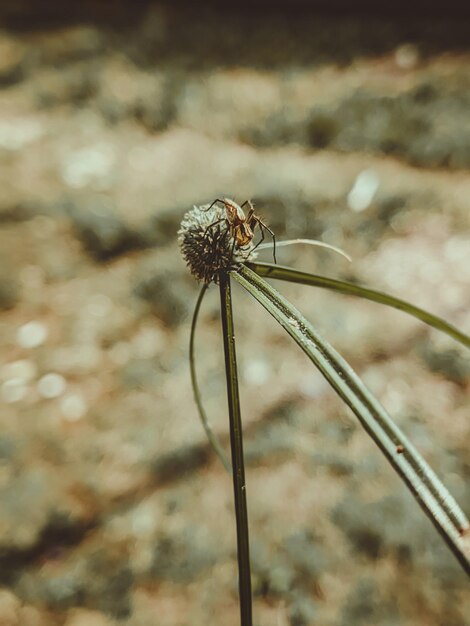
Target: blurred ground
112, 507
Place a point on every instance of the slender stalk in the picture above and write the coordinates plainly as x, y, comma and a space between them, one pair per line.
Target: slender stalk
213, 439
430, 493
294, 276
236, 441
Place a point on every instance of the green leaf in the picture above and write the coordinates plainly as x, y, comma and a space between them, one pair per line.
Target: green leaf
294, 276
430, 493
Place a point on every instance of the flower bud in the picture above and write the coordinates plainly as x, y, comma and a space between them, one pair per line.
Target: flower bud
207, 244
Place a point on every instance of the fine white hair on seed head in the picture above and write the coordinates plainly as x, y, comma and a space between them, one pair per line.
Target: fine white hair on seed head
207, 248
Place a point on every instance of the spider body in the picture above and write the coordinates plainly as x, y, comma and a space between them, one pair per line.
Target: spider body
241, 226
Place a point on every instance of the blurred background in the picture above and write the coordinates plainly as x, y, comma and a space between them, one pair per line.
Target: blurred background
349, 127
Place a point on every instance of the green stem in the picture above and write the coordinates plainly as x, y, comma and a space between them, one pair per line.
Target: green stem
213, 439
291, 275
236, 441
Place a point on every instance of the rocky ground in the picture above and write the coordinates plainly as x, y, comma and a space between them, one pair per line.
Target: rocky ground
113, 509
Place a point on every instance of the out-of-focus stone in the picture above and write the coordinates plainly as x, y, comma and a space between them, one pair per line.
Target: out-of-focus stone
31, 616
9, 291
182, 557
414, 125
71, 86
98, 579
165, 224
84, 617
91, 165
9, 608
74, 407
51, 385
12, 58
36, 513
103, 233
13, 390
24, 369
140, 373
168, 293
180, 462
17, 211
302, 610
452, 363
16, 132
68, 45
306, 554
32, 334
364, 605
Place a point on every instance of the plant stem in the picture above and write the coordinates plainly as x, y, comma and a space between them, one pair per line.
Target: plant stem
236, 441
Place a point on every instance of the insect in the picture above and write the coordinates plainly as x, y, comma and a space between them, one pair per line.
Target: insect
240, 226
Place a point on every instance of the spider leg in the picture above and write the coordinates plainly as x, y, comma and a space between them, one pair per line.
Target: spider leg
210, 207
273, 237
274, 244
247, 202
261, 230
213, 224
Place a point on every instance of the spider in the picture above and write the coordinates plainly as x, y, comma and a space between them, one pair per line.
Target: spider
240, 226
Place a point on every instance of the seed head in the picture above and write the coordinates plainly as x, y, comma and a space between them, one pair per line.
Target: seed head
208, 247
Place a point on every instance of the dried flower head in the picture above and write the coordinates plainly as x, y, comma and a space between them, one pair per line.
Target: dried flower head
207, 245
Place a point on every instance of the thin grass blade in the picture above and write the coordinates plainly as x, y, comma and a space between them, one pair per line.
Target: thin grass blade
430, 493
291, 275
307, 242
213, 439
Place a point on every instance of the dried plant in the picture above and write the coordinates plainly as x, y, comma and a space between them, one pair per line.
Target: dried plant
209, 246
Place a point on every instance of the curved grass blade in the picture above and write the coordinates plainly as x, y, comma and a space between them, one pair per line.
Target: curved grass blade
291, 275
308, 242
430, 493
236, 442
213, 439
